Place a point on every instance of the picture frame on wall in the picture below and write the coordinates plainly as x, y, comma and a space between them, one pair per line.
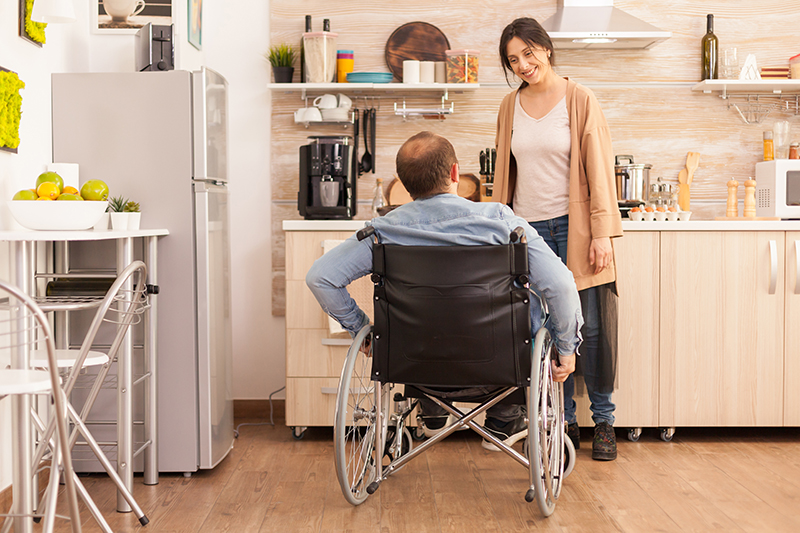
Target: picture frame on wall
11, 110
33, 32
195, 33
128, 16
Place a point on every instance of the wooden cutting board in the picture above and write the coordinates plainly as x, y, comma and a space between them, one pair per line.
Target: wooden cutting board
469, 187
415, 40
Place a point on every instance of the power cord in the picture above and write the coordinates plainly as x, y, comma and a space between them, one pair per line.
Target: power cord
270, 423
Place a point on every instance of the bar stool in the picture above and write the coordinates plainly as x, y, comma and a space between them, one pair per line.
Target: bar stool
120, 306
22, 325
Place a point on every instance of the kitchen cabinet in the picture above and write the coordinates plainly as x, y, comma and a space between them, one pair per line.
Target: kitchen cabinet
636, 395
791, 377
721, 342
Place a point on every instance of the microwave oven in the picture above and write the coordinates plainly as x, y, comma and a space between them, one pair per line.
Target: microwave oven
778, 188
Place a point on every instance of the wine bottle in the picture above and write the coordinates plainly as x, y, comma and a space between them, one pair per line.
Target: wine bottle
303, 51
710, 45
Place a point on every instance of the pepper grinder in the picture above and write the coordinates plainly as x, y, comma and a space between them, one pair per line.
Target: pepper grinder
750, 198
733, 201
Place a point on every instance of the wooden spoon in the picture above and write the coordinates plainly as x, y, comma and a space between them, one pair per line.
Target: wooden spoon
692, 162
683, 190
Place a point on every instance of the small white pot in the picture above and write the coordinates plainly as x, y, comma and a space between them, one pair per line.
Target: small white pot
119, 221
102, 224
134, 219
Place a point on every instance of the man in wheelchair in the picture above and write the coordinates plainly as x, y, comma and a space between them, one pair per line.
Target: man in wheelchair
426, 165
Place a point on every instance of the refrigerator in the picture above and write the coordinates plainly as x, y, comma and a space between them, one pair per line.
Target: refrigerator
160, 139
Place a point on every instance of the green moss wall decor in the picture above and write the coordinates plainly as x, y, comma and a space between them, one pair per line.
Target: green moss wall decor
10, 109
28, 29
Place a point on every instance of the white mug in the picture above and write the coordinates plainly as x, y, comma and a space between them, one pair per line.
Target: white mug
120, 10
326, 101
410, 71
307, 114
345, 101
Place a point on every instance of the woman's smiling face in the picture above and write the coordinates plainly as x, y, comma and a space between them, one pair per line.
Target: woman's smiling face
529, 63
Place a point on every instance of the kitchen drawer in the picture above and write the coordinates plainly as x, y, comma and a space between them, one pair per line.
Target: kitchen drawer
314, 353
303, 310
305, 247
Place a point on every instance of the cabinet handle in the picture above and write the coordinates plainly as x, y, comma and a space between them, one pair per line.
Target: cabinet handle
336, 342
797, 267
773, 263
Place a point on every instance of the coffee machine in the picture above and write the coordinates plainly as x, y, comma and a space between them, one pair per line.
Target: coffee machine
328, 175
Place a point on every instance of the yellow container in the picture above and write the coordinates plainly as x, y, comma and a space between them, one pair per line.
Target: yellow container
344, 64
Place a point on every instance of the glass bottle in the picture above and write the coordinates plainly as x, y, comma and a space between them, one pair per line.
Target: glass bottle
379, 200
710, 45
769, 146
303, 51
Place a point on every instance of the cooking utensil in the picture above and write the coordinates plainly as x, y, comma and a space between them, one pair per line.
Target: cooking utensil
633, 181
415, 40
685, 177
366, 159
492, 161
482, 159
356, 163
373, 115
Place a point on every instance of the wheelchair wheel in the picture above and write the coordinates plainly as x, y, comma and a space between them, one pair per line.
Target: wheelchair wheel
356, 423
546, 428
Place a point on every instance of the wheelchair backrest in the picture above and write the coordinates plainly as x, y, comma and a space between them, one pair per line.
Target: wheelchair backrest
451, 315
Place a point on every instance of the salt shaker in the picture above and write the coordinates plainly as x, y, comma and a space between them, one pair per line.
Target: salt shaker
732, 210
750, 198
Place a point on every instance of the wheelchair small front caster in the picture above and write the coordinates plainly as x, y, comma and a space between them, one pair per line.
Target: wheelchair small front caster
634, 434
418, 433
666, 434
298, 432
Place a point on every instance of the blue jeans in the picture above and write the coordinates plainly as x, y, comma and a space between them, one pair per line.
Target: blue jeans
554, 232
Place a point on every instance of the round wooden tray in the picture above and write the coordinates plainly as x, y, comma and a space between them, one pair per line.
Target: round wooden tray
415, 40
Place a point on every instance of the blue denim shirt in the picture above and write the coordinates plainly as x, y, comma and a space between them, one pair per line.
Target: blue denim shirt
441, 220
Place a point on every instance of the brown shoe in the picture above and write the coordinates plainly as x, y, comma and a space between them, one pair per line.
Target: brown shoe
604, 446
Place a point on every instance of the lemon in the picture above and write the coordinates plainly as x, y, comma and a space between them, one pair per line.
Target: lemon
45, 198
25, 194
69, 197
49, 190
50, 177
69, 189
95, 190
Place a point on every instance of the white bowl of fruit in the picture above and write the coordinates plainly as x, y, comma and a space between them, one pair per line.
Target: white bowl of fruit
51, 206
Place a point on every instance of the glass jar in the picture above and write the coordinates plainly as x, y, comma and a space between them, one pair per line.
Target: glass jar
661, 194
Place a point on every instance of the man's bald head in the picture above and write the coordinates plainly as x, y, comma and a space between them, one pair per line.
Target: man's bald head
424, 163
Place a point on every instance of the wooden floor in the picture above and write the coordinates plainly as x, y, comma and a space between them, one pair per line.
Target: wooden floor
726, 479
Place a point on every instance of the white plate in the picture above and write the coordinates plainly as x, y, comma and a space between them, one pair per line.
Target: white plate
57, 215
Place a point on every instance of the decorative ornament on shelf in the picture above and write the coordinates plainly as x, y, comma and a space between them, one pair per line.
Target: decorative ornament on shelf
10, 109
125, 214
750, 69
281, 57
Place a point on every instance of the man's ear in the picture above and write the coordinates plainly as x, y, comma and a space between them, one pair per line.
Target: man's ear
454, 174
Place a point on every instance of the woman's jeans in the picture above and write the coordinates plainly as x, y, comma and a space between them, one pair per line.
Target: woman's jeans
554, 232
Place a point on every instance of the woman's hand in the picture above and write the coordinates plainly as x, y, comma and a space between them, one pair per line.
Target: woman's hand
600, 253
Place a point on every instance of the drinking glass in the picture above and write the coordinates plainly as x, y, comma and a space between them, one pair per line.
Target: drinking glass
781, 132
730, 64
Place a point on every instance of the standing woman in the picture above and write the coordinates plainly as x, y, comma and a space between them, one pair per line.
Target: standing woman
555, 168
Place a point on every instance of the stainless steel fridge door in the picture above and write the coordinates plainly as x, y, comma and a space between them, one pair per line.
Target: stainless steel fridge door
215, 397
210, 90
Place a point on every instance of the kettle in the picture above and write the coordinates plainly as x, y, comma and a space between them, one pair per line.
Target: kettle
633, 181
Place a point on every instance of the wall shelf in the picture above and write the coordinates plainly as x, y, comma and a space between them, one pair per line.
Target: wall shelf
754, 100
388, 88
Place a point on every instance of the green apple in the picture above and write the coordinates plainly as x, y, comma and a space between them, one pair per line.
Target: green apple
52, 177
25, 194
69, 197
95, 190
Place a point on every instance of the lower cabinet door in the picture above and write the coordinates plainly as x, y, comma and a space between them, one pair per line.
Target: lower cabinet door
791, 377
311, 401
722, 334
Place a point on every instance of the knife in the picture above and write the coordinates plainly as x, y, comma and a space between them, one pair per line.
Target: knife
489, 167
482, 157
493, 159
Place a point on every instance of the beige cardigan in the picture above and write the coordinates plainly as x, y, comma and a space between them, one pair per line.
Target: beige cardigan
593, 208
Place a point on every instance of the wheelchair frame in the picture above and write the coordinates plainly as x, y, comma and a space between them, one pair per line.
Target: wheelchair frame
365, 423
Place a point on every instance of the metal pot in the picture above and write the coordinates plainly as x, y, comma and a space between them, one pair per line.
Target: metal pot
633, 181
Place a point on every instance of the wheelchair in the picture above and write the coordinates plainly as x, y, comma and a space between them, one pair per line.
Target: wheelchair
448, 318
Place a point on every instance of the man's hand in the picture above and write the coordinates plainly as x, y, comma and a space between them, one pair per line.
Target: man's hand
365, 346
567, 366
600, 253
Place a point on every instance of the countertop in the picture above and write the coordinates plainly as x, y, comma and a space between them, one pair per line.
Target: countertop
627, 225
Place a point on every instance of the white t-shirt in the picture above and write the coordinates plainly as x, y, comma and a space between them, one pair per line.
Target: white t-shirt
541, 148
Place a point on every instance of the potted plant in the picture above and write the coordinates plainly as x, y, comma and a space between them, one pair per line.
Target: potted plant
281, 57
125, 214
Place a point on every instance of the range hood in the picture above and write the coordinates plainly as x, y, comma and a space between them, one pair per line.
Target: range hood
591, 24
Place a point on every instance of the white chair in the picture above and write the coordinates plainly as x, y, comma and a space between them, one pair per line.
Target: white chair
22, 326
119, 306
